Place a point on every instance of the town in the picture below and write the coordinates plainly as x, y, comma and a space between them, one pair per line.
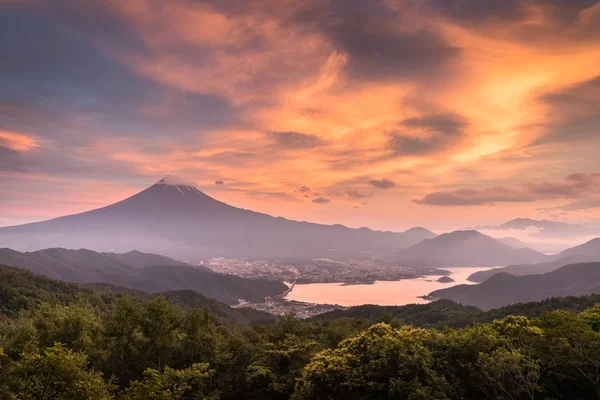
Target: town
355, 272
318, 271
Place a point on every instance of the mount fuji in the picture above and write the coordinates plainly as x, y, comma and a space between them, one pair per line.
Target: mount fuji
174, 218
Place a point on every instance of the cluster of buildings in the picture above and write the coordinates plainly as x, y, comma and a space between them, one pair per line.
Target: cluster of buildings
281, 306
314, 271
317, 271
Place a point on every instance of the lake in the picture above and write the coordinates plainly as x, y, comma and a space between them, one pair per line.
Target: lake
383, 293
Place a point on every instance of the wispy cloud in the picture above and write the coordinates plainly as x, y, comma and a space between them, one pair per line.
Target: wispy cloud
294, 140
321, 200
382, 183
575, 186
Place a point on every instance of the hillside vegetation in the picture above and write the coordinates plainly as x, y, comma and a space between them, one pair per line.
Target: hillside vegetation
141, 271
21, 290
67, 341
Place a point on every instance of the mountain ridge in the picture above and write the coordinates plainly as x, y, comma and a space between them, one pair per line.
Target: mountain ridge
463, 248
181, 221
503, 289
586, 252
21, 289
87, 266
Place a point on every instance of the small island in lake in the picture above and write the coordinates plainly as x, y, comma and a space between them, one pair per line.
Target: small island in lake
445, 279
358, 283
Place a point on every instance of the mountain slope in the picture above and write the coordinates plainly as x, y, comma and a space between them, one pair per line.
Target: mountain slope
86, 266
591, 248
178, 220
503, 289
71, 265
463, 248
141, 260
512, 242
531, 269
587, 252
23, 290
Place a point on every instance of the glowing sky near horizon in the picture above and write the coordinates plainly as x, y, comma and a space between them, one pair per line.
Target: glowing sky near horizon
386, 113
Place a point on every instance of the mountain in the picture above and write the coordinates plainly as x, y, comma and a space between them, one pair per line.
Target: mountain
512, 242
531, 269
503, 289
587, 252
176, 219
465, 249
547, 229
591, 248
24, 290
86, 266
141, 260
71, 265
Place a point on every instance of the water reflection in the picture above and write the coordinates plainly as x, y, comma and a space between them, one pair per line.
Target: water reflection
384, 293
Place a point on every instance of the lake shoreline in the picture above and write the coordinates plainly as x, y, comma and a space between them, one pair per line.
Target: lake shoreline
379, 292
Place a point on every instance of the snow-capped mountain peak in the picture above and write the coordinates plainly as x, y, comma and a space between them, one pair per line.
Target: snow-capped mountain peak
173, 180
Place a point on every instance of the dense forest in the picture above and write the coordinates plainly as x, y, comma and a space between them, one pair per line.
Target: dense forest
66, 341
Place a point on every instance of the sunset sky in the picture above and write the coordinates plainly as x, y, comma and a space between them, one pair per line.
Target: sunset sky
388, 114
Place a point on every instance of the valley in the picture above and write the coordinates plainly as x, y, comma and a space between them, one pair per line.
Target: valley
319, 270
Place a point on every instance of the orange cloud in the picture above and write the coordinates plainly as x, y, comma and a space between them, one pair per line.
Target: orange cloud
494, 83
333, 95
17, 141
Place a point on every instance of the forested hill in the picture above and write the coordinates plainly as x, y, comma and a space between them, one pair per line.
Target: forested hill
68, 341
21, 290
532, 269
446, 313
146, 272
503, 289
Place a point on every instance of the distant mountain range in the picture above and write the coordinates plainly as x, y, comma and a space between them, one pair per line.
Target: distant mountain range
178, 220
146, 272
586, 252
503, 289
547, 229
463, 248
